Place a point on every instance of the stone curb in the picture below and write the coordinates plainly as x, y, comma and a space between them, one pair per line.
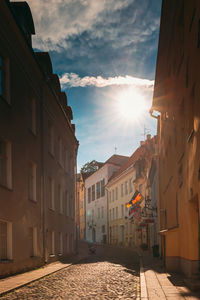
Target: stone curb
26, 282
143, 286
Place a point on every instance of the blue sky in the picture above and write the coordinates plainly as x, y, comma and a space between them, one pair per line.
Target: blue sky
103, 51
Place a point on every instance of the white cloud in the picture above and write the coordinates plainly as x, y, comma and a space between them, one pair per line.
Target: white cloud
57, 20
73, 80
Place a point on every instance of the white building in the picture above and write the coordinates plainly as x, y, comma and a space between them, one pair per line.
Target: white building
96, 199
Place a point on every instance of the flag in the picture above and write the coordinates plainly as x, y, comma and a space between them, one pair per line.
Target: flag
134, 210
136, 197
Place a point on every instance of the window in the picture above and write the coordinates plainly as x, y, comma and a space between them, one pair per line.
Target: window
5, 78
33, 116
32, 235
66, 161
60, 198
5, 240
71, 165
116, 193
51, 138
130, 185
198, 41
110, 214
98, 192
5, 164
71, 207
140, 188
89, 195
60, 243
110, 196
102, 212
32, 182
126, 211
113, 212
116, 212
1, 76
98, 212
102, 187
51, 194
126, 228
66, 209
60, 151
130, 228
93, 192
52, 243
103, 229
122, 190
126, 187
122, 210
113, 195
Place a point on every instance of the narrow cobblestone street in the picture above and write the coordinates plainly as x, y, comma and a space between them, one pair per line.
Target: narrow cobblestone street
109, 274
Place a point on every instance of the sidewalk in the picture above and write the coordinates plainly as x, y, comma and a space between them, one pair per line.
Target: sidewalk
156, 284
16, 281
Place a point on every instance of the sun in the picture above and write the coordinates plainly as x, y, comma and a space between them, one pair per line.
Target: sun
131, 105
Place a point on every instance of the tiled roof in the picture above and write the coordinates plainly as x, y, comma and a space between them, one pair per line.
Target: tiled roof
139, 153
117, 160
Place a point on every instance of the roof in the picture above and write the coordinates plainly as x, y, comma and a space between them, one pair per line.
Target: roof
23, 15
117, 160
139, 153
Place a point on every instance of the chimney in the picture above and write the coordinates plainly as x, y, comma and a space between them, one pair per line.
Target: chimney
142, 143
148, 137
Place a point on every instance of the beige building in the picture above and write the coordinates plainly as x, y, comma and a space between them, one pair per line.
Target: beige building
126, 229
96, 199
176, 98
80, 207
37, 151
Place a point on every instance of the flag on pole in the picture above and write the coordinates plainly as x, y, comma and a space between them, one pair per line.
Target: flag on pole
136, 197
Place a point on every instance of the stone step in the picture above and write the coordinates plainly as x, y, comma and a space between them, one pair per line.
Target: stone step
193, 284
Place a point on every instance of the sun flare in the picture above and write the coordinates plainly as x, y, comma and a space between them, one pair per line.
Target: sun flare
131, 105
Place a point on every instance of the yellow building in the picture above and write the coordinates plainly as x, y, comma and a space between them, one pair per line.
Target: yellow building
176, 97
132, 176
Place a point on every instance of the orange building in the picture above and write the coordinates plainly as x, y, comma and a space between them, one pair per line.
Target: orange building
80, 206
176, 98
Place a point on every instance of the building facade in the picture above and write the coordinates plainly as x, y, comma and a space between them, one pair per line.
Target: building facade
38, 151
96, 200
81, 205
128, 228
176, 98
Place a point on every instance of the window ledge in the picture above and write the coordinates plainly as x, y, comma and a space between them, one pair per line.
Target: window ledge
60, 254
51, 154
6, 261
52, 255
6, 187
6, 101
34, 134
52, 209
33, 201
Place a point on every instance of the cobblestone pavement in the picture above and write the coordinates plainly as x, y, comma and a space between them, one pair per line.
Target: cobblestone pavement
109, 274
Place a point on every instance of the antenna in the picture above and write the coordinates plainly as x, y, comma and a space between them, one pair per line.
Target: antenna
115, 149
